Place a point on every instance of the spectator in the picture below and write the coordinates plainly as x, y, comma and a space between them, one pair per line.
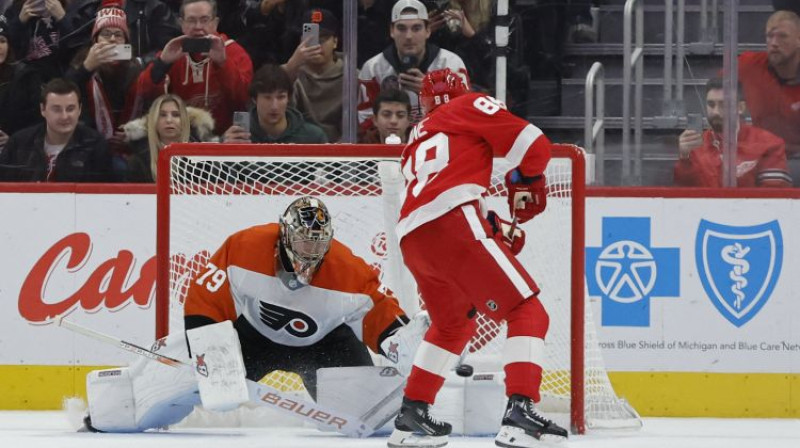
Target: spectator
771, 82
272, 120
35, 32
404, 63
216, 80
19, 88
463, 27
59, 150
168, 121
391, 110
151, 23
107, 83
760, 155
318, 87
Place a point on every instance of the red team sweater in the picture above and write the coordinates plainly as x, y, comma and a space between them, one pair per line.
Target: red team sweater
448, 161
774, 106
201, 83
760, 161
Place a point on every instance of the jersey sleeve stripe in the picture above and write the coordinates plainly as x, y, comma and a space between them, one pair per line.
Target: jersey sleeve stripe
524, 140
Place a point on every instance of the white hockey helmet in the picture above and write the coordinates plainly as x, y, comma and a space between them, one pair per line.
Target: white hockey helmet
306, 233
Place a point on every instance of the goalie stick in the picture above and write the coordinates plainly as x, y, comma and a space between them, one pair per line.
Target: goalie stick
260, 394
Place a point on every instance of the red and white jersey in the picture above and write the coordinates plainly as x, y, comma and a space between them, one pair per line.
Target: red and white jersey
240, 279
448, 160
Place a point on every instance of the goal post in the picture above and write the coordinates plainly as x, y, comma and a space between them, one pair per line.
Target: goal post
205, 192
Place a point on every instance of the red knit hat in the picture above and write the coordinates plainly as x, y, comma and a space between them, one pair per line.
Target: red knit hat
111, 14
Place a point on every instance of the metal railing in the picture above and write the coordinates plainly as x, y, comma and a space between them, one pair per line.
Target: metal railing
594, 120
632, 60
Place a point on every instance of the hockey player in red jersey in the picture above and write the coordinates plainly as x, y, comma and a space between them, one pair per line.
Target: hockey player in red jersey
463, 259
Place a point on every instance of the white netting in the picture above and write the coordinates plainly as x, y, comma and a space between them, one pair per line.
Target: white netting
214, 196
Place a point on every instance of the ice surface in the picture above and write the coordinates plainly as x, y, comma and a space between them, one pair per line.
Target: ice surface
52, 430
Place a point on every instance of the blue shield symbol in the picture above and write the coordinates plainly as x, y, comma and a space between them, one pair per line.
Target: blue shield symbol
739, 266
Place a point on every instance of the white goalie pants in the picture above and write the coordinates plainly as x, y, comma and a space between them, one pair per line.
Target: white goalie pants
146, 395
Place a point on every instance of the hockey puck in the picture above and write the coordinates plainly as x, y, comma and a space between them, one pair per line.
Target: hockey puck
464, 370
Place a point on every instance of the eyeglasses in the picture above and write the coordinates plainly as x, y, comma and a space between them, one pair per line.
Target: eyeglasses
108, 34
194, 21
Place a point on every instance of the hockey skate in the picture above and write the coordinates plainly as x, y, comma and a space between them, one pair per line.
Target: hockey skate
523, 427
414, 427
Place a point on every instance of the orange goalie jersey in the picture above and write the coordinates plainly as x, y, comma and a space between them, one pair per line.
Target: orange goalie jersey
240, 280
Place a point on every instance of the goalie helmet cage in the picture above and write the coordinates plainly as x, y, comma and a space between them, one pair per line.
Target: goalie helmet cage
208, 191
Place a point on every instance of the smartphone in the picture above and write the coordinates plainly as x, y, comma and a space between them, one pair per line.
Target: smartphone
694, 122
122, 52
242, 119
38, 5
407, 63
311, 30
196, 45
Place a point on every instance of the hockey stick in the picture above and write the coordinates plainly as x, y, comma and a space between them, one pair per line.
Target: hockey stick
260, 394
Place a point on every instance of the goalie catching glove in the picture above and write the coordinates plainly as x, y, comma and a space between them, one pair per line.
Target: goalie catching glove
505, 233
527, 196
401, 346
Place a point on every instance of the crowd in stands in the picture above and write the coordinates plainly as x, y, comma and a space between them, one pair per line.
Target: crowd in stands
119, 80
91, 90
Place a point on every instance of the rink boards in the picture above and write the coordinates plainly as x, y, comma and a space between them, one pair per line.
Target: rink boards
695, 300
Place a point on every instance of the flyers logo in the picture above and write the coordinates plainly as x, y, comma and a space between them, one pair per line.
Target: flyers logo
201, 366
295, 323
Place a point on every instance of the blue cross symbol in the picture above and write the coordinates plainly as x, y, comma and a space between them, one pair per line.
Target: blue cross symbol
626, 272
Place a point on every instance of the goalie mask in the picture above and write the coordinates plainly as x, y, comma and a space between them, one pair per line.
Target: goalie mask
439, 87
305, 237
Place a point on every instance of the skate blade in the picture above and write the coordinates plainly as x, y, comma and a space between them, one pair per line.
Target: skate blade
511, 437
405, 439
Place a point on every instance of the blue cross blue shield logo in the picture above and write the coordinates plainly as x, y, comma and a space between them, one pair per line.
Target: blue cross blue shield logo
627, 271
739, 266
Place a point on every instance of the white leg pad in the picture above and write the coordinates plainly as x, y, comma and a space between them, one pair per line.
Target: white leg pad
111, 404
146, 395
219, 367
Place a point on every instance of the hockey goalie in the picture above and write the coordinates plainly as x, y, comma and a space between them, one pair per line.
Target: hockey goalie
279, 296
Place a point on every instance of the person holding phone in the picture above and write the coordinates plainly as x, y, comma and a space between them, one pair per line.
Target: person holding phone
405, 62
760, 155
272, 119
202, 66
106, 74
318, 81
36, 29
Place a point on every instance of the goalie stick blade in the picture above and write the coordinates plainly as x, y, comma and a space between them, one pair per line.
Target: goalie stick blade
325, 418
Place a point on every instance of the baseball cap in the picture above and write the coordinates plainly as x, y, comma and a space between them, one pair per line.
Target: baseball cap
326, 20
420, 11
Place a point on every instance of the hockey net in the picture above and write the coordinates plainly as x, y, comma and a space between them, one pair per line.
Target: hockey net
208, 191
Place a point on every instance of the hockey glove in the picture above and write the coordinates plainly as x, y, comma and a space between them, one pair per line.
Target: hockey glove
400, 347
503, 233
527, 196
